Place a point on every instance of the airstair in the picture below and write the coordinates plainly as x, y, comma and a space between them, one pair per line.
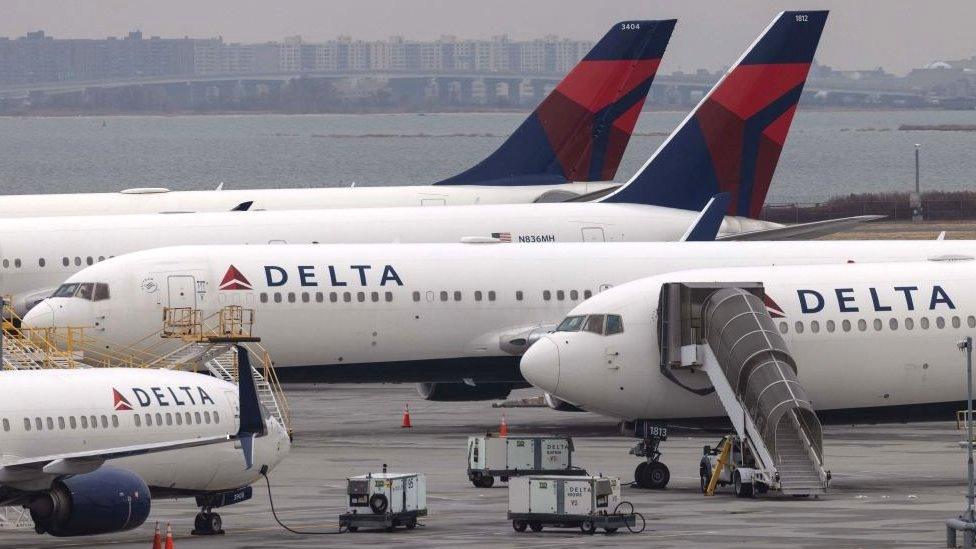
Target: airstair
726, 331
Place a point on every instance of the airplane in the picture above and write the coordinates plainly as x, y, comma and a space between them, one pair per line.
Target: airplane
454, 318
40, 253
868, 342
86, 450
571, 145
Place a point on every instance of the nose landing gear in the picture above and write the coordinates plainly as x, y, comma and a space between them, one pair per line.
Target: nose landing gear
207, 523
651, 473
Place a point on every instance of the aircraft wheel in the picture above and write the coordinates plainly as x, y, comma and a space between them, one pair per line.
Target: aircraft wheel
639, 473
215, 523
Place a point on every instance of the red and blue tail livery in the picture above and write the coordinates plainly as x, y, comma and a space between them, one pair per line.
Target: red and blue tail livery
732, 140
580, 130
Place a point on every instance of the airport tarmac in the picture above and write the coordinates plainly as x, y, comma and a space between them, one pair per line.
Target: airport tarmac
893, 485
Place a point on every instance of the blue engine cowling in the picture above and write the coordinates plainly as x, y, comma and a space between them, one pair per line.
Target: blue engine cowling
104, 501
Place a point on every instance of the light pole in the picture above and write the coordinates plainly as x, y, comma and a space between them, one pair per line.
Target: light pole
915, 200
966, 522
917, 146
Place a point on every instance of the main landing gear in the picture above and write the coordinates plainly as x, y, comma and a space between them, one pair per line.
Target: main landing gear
651, 473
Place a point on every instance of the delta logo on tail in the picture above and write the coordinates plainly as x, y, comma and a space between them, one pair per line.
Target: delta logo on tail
121, 403
732, 141
580, 130
234, 280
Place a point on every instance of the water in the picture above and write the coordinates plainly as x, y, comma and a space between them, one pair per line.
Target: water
827, 153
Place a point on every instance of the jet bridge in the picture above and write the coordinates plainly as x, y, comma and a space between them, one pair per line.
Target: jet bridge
726, 331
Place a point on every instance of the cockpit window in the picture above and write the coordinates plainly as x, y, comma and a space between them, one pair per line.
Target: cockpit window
89, 291
594, 323
101, 291
65, 290
615, 325
570, 324
85, 290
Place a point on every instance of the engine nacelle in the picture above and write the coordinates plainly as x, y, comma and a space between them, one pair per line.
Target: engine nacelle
101, 502
23, 302
517, 341
459, 392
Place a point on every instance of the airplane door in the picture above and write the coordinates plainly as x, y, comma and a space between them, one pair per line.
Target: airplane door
181, 291
593, 234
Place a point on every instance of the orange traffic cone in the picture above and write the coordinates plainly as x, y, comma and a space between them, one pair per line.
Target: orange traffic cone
503, 428
406, 417
157, 540
169, 536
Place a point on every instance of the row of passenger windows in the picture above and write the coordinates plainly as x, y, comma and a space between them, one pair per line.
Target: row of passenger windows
66, 261
442, 295
103, 421
862, 325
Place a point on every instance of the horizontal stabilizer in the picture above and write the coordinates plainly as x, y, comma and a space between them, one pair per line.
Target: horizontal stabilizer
580, 130
732, 140
805, 231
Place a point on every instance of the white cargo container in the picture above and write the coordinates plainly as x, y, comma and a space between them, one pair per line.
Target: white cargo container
492, 456
385, 499
566, 501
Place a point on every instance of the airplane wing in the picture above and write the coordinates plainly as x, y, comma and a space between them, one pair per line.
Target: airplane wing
804, 231
74, 463
243, 206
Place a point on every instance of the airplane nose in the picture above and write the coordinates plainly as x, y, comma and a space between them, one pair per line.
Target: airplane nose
39, 316
540, 365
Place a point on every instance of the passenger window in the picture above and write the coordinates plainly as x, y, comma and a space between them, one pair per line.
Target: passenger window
89, 260
6, 424
84, 422
104, 422
831, 326
159, 419
206, 417
518, 295
38, 423
101, 292
615, 324
571, 324
587, 294
101, 258
72, 423
27, 424
93, 422
60, 422
196, 416
277, 297
784, 327
573, 295
333, 297
909, 323
491, 295
443, 296
346, 297
305, 297
40, 262
956, 322
50, 424
416, 296
457, 295
798, 327
187, 416
814, 326
115, 420
169, 418
893, 323
148, 420
374, 296
291, 297
17, 263
878, 324
594, 324
65, 261
264, 297
179, 418
388, 296
862, 324
360, 296
924, 323
319, 297
138, 420
477, 295
6, 263
546, 295
216, 417
846, 324
940, 322
77, 261
560, 295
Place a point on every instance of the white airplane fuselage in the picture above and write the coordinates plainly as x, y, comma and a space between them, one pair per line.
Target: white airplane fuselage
867, 337
438, 312
161, 200
52, 412
40, 253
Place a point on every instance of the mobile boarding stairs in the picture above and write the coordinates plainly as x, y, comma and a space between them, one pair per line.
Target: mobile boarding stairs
726, 331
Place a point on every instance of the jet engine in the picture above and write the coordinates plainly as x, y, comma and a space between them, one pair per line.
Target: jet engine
458, 392
101, 502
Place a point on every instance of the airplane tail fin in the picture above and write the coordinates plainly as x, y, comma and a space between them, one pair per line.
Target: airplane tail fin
580, 130
252, 420
732, 140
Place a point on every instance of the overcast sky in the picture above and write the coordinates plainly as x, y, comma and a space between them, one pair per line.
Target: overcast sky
895, 34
